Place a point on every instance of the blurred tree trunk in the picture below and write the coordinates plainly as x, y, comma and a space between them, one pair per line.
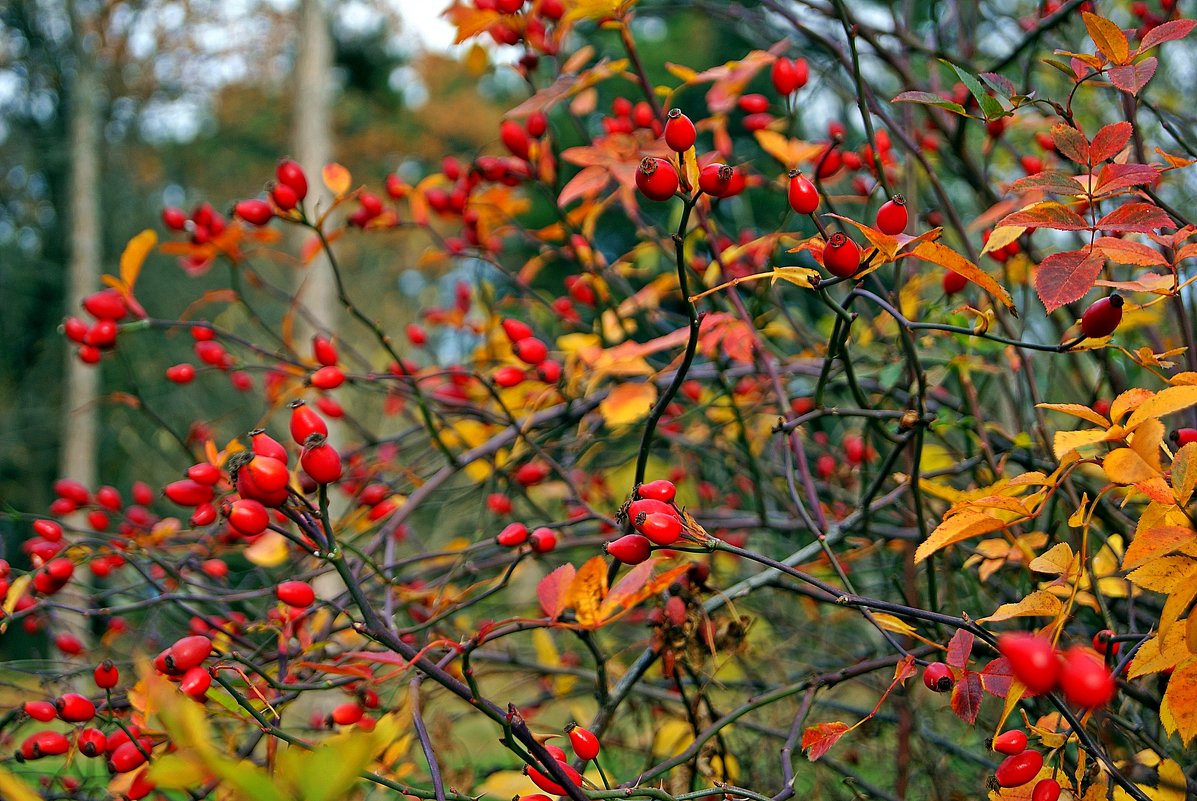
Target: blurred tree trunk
80, 425
313, 143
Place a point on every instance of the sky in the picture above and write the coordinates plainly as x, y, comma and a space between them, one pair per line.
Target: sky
423, 18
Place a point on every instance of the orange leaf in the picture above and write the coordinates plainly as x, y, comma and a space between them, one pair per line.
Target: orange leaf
134, 256
817, 740
1048, 214
553, 589
1158, 541
1125, 466
628, 403
946, 257
656, 585
1123, 251
1178, 710
627, 587
587, 590
336, 178
1108, 37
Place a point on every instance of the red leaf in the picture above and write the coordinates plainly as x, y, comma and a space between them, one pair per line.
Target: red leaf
1065, 277
967, 696
1071, 143
589, 181
1050, 181
553, 588
817, 740
1116, 177
1140, 217
1123, 251
1133, 77
1110, 140
996, 677
1167, 32
1047, 215
960, 648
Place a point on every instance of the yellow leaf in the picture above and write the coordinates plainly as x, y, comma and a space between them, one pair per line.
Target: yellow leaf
800, 276
1038, 604
1158, 654
1060, 560
1002, 235
672, 737
956, 529
946, 257
1165, 402
1153, 542
1126, 401
1184, 473
891, 623
598, 9
134, 256
1124, 466
548, 655
628, 403
15, 591
587, 590
1077, 519
268, 550
1172, 785
1164, 573
788, 152
176, 772
13, 789
1146, 442
1065, 442
1191, 632
336, 178
1076, 410
1108, 37
503, 785
1178, 710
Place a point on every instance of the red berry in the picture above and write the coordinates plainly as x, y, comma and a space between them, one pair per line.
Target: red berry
1032, 658
753, 103
347, 714
1046, 790
537, 124
1100, 319
938, 677
321, 461
543, 540
717, 180
107, 304
48, 530
327, 378
187, 653
804, 198
180, 373
547, 784
324, 351
74, 708
305, 422
509, 376
106, 675
584, 743
516, 330
953, 282
1019, 769
841, 256
513, 534
291, 175
631, 549
656, 178
174, 219
416, 334
254, 212
1085, 680
284, 197
40, 710
892, 217
1181, 436
855, 449
91, 742
679, 131
298, 594
660, 528
128, 756
265, 445
268, 473
514, 138
1101, 642
530, 350
1010, 742
784, 74
46, 743
75, 329
248, 517
660, 490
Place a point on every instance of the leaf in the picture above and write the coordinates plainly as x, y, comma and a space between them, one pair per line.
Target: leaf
1059, 560
628, 403
957, 528
893, 623
928, 99
589, 182
1132, 78
960, 647
946, 257
1076, 410
553, 590
818, 739
627, 587
1160, 653
1124, 251
1163, 573
997, 676
1048, 214
627, 600
587, 590
1108, 37
1000, 84
1065, 277
1184, 473
14, 789
967, 695
1163, 403
1178, 710
1140, 217
1040, 603
333, 767
336, 178
133, 257
1071, 143
786, 151
268, 550
1156, 542
990, 107
799, 276
1051, 181
1166, 32
1001, 236
1118, 177
1125, 466
1110, 140
1126, 401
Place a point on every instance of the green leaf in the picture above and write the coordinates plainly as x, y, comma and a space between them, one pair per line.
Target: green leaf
335, 766
928, 99
990, 107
